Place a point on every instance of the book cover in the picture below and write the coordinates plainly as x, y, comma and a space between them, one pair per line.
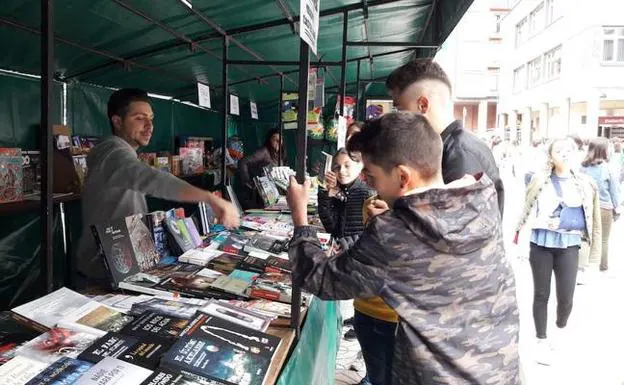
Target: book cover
177, 229
237, 315
11, 175
20, 370
199, 257
65, 371
237, 282
111, 371
155, 324
162, 163
265, 306
212, 358
324, 167
156, 223
225, 263
95, 318
192, 160
140, 350
170, 377
277, 264
117, 248
51, 308
205, 326
234, 244
57, 343
168, 307
145, 252
254, 264
13, 335
195, 284
31, 172
273, 286
192, 230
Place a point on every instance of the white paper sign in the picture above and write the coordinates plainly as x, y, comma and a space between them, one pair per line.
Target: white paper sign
234, 105
309, 22
254, 110
342, 132
203, 94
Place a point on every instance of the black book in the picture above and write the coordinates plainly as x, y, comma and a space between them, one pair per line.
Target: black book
142, 351
194, 285
225, 263
168, 377
12, 336
168, 307
154, 324
63, 371
213, 358
206, 326
253, 264
278, 264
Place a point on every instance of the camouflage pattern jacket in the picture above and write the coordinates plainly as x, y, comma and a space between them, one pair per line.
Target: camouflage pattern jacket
437, 259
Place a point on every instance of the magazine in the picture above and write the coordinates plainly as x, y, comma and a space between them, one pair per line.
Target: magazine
237, 315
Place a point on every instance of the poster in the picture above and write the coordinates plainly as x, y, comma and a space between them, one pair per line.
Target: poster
309, 24
234, 105
290, 106
203, 95
254, 110
377, 108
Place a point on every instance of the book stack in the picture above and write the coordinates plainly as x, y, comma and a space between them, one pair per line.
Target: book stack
11, 175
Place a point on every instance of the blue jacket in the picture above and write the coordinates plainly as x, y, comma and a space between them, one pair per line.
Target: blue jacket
607, 183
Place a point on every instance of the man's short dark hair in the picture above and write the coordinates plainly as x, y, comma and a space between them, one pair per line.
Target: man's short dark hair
414, 71
119, 102
400, 138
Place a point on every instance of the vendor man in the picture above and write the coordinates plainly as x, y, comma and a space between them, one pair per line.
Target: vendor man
117, 182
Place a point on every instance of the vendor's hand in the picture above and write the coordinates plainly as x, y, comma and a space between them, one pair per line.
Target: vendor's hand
376, 207
331, 183
227, 213
297, 197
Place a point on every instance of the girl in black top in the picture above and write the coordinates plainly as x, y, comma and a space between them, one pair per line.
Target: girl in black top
340, 203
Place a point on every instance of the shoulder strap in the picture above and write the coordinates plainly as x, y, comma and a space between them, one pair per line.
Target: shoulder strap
556, 185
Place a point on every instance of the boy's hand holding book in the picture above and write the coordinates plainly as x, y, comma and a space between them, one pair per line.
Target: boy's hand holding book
297, 197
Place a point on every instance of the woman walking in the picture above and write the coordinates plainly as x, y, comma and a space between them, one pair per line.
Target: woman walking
561, 209
596, 165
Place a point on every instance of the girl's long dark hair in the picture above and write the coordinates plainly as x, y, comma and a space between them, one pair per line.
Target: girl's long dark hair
267, 144
597, 152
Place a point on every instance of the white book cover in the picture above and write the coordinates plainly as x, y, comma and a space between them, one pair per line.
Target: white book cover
95, 318
20, 370
48, 310
111, 371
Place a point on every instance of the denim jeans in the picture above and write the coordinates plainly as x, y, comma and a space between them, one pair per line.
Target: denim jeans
376, 338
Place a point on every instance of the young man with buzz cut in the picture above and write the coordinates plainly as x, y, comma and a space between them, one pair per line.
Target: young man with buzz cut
117, 182
436, 258
422, 86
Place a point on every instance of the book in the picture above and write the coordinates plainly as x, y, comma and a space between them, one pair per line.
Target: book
192, 160
237, 282
254, 264
56, 343
277, 264
140, 350
264, 243
237, 315
197, 284
65, 371
324, 167
121, 302
234, 244
111, 371
275, 286
156, 324
173, 308
265, 306
162, 163
145, 252
179, 233
213, 358
45, 312
95, 318
169, 377
156, 223
175, 165
11, 175
225, 263
13, 335
200, 257
31, 172
20, 370
193, 232
205, 326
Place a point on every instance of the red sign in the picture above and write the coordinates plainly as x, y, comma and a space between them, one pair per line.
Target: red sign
611, 120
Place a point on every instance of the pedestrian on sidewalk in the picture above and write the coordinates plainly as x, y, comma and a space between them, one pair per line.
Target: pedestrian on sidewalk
561, 208
596, 165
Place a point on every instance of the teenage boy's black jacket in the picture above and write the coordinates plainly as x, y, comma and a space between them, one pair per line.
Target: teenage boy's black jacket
464, 153
344, 217
437, 259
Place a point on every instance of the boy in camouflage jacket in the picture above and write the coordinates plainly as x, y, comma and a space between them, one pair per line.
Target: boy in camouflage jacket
436, 258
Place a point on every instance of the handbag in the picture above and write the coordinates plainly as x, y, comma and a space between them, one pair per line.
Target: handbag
570, 218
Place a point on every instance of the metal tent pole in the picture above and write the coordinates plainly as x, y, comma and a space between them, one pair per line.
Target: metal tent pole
302, 149
279, 119
226, 105
343, 63
47, 204
357, 93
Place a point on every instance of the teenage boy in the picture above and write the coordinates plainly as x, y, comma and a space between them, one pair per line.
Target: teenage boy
436, 258
422, 86
117, 182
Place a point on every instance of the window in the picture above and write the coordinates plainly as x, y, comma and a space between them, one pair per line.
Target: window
552, 61
493, 74
536, 20
613, 45
552, 11
535, 71
519, 78
521, 31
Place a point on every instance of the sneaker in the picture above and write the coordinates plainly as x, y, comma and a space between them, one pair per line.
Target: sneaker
543, 352
350, 335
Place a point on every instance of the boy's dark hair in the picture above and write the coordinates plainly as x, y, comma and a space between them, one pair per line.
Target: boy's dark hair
414, 71
400, 138
597, 152
120, 101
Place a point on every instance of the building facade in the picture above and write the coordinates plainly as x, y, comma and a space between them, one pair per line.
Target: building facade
563, 69
471, 56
